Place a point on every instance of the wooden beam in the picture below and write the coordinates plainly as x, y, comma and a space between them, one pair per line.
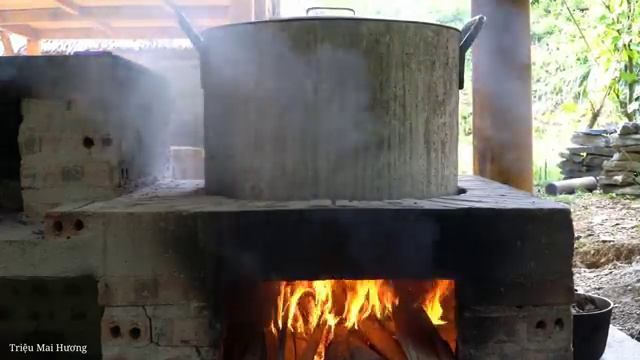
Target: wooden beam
6, 44
22, 30
33, 47
117, 33
72, 8
68, 6
111, 13
502, 115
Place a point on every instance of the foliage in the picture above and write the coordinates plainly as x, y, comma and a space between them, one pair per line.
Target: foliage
596, 70
545, 173
618, 32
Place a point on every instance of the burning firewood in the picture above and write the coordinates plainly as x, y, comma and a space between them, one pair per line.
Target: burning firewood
338, 349
314, 341
286, 345
359, 350
381, 339
417, 334
271, 343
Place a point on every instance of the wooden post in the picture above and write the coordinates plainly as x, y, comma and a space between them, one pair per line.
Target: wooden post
6, 44
502, 119
33, 47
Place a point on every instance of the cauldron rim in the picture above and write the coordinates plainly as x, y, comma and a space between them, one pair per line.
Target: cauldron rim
353, 19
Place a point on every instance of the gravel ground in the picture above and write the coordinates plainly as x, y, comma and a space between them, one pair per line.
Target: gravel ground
607, 255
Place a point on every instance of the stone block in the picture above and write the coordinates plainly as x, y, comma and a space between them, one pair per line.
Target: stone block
101, 174
180, 325
187, 163
158, 353
72, 173
38, 201
162, 289
44, 115
523, 332
125, 326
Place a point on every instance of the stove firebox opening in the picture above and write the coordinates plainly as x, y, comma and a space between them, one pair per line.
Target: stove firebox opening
347, 319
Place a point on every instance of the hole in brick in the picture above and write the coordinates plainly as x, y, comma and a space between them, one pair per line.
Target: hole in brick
57, 226
78, 225
559, 324
88, 142
135, 333
107, 141
115, 331
541, 325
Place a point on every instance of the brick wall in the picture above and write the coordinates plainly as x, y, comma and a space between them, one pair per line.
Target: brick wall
93, 127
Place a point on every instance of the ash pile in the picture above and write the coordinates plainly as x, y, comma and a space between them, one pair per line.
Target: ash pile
590, 149
621, 174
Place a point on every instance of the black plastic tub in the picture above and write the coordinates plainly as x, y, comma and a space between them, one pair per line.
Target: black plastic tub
591, 328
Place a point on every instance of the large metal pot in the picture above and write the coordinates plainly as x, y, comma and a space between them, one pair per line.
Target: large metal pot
332, 108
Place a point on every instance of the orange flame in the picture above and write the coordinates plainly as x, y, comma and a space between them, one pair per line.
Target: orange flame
432, 303
302, 305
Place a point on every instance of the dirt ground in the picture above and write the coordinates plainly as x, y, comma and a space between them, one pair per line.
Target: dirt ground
607, 253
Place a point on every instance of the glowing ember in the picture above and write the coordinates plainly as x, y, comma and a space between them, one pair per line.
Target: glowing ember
314, 308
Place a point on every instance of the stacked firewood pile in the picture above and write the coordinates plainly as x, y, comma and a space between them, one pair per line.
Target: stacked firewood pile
585, 158
621, 174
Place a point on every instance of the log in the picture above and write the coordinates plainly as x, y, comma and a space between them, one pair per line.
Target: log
286, 345
415, 331
339, 348
359, 350
313, 342
417, 334
588, 183
271, 344
381, 340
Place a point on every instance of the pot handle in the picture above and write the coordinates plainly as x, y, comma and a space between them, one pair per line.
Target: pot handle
186, 26
353, 12
469, 33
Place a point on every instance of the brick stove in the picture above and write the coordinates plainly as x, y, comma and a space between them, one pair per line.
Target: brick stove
170, 259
